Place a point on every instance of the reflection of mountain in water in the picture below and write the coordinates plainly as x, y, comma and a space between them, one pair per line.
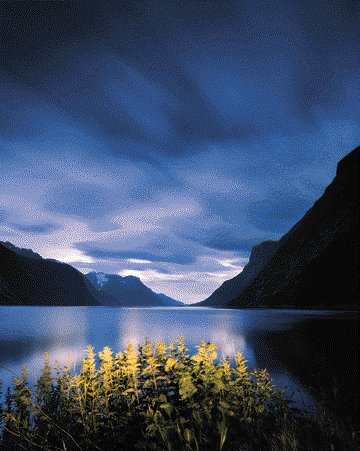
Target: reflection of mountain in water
28, 333
322, 355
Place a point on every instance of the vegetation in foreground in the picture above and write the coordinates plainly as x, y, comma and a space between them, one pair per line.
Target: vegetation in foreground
158, 398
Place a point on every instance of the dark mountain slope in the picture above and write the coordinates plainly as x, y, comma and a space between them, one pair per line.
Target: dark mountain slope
27, 279
20, 251
167, 301
316, 264
260, 255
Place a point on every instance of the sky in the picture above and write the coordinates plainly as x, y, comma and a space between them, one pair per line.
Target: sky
164, 139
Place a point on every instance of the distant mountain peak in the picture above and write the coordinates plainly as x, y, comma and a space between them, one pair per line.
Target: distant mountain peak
101, 279
28, 279
125, 291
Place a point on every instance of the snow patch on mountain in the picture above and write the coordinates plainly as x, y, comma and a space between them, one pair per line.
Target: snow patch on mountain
101, 279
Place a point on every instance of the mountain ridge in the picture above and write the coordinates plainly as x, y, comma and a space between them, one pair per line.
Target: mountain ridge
26, 278
316, 263
127, 291
260, 255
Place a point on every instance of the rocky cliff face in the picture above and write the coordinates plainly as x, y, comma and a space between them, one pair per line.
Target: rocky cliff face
260, 255
28, 279
316, 263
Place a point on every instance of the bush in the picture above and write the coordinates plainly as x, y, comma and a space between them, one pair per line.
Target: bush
159, 398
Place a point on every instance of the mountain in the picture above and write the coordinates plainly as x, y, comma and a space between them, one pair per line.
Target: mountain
317, 262
28, 279
260, 255
121, 291
20, 251
128, 291
168, 301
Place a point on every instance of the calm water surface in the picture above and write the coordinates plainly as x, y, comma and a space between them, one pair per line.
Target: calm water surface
268, 338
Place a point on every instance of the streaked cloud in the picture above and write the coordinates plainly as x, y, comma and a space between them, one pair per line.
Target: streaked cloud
167, 141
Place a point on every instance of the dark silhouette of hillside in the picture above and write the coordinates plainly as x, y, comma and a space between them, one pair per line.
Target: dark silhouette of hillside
20, 251
260, 255
317, 262
28, 279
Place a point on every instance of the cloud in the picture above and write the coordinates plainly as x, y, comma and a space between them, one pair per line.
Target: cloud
141, 257
227, 242
36, 228
279, 211
139, 261
173, 136
188, 286
84, 200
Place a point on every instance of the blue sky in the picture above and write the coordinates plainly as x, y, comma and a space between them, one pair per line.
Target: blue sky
165, 139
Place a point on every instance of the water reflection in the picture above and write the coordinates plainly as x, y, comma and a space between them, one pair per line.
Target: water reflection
26, 333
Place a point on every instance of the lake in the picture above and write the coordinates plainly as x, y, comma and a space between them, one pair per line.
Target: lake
300, 349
